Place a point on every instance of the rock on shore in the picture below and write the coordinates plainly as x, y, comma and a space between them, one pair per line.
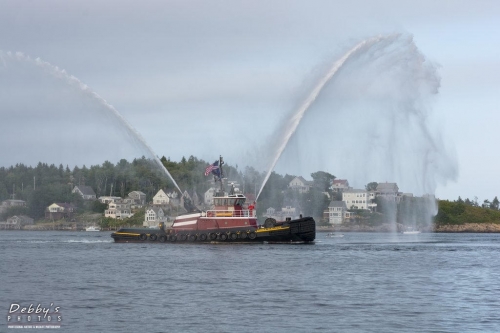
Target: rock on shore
468, 227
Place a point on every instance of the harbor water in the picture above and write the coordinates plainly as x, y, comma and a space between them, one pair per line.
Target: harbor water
362, 282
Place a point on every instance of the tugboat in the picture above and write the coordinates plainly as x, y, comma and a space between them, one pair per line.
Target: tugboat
230, 220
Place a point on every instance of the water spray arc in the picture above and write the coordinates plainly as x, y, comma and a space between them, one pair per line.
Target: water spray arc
73, 81
294, 121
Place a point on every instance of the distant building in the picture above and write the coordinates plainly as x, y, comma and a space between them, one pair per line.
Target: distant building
58, 211
287, 211
209, 196
138, 197
154, 215
118, 210
108, 199
359, 199
161, 198
387, 190
339, 185
337, 211
16, 222
300, 184
86, 192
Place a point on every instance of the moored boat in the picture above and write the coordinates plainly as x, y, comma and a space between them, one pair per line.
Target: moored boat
92, 228
411, 231
230, 219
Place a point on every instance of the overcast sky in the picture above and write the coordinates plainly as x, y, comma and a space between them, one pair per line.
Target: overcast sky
205, 78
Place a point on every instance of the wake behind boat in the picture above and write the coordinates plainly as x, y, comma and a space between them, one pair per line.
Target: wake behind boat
230, 219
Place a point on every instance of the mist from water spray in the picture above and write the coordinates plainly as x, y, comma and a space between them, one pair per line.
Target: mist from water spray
368, 119
83, 88
295, 119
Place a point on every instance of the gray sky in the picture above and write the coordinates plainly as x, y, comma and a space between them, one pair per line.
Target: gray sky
205, 78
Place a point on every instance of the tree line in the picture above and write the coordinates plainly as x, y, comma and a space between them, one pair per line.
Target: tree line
45, 184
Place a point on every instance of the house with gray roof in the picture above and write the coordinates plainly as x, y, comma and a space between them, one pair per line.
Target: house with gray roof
86, 192
138, 198
337, 212
300, 184
388, 191
154, 215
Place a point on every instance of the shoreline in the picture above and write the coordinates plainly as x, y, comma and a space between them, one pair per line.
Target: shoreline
449, 228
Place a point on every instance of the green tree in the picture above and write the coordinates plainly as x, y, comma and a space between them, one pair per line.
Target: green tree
322, 180
371, 186
495, 203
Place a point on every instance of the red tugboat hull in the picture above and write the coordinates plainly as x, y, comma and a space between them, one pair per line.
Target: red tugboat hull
301, 230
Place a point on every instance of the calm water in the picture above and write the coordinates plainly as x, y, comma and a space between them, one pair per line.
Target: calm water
363, 282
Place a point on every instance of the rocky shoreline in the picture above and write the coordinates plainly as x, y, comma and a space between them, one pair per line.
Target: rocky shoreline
451, 228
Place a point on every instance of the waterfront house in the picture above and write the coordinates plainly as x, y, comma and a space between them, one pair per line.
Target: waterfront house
16, 222
337, 212
58, 211
154, 215
118, 210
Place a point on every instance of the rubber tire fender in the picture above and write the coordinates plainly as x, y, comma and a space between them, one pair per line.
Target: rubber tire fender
252, 235
223, 237
203, 237
270, 222
212, 236
153, 237
162, 238
143, 237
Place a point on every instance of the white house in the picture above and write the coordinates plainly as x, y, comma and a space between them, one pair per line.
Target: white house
285, 212
108, 199
118, 210
300, 184
209, 196
161, 198
337, 211
154, 215
359, 199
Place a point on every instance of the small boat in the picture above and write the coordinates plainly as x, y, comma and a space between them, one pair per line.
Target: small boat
333, 235
411, 231
92, 228
229, 220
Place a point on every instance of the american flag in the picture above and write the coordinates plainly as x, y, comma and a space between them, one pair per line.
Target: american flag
211, 167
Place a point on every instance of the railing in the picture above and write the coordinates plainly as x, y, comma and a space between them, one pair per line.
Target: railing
231, 213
